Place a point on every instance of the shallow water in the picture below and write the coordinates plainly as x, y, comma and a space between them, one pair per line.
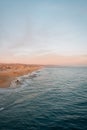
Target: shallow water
52, 99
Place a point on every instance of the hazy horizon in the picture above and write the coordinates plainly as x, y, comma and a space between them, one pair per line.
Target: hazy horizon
43, 32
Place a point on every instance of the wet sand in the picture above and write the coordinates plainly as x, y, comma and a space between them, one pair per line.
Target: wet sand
8, 72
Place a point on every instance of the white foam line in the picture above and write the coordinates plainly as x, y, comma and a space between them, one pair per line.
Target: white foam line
2, 108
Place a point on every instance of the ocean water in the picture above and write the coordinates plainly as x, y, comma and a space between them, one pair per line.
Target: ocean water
48, 99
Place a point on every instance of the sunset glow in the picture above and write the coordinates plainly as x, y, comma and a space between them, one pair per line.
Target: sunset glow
44, 32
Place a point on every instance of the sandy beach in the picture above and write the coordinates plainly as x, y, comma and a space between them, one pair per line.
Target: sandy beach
8, 72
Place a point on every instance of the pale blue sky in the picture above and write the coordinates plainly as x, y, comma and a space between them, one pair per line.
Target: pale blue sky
39, 27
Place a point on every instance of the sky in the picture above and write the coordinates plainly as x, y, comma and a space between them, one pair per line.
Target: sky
43, 31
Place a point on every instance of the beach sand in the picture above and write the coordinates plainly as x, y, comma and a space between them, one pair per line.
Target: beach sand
8, 72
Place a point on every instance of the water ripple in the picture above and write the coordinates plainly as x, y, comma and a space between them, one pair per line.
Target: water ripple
52, 98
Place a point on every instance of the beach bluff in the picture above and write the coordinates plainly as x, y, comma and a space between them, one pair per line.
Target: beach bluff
8, 72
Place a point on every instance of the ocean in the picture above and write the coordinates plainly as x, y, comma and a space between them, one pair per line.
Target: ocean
48, 99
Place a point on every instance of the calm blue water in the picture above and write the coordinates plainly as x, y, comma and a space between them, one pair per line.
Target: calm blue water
49, 99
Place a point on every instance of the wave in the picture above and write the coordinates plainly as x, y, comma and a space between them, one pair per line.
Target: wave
19, 81
2, 108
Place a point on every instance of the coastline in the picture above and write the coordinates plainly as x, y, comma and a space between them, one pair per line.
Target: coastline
9, 73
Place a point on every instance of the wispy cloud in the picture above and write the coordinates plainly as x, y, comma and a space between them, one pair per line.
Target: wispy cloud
44, 32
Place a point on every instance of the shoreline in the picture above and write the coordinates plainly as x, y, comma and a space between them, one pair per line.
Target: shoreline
9, 73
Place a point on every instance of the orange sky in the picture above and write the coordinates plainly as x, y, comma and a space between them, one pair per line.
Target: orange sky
53, 59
